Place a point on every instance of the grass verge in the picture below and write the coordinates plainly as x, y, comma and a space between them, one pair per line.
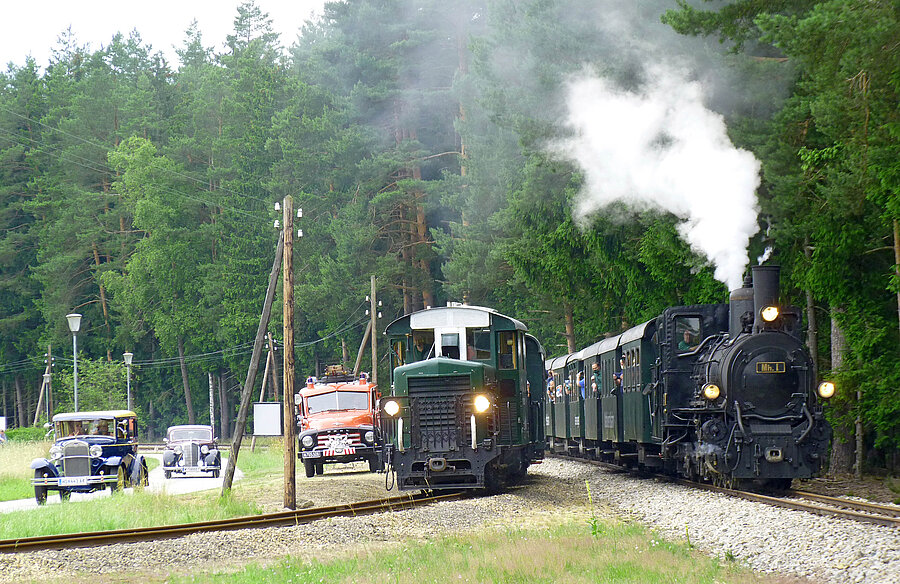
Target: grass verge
15, 468
571, 553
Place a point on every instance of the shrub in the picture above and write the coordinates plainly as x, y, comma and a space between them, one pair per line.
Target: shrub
27, 434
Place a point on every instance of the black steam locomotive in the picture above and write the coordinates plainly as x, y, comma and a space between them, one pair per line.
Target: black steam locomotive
465, 405
723, 393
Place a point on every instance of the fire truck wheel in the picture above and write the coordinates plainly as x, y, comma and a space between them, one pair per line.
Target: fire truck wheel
320, 468
374, 464
310, 468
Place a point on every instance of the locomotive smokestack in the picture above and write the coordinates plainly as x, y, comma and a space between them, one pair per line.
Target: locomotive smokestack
765, 290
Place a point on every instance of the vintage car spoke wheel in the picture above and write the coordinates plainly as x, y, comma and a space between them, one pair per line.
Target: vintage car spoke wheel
145, 477
310, 468
120, 479
65, 495
40, 493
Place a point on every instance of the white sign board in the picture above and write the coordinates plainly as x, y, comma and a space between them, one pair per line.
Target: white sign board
3, 423
267, 419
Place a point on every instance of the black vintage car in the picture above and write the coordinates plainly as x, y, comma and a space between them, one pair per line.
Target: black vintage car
191, 448
92, 451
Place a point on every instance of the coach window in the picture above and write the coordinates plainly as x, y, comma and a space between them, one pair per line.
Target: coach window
687, 333
506, 358
423, 345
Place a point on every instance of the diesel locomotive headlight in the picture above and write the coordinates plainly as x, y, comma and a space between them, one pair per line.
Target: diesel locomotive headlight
826, 389
769, 313
482, 403
392, 408
370, 436
96, 451
307, 441
204, 449
711, 391
55, 452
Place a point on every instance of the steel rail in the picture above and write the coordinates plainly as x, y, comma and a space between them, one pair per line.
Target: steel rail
281, 518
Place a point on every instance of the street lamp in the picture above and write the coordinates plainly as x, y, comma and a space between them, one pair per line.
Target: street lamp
47, 378
74, 325
128, 357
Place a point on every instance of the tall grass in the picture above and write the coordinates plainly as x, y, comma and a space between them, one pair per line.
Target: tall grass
569, 553
15, 468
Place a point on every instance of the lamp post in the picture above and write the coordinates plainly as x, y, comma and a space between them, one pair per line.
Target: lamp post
128, 357
47, 378
74, 325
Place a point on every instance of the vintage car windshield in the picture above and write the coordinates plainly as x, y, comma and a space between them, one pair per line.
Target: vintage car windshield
337, 400
191, 434
85, 428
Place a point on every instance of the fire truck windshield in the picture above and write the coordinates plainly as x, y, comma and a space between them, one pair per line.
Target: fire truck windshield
338, 400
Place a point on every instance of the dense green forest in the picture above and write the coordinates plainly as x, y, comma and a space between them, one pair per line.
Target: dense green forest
577, 165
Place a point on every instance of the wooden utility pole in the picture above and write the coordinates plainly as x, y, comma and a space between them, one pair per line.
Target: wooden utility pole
273, 348
374, 320
290, 442
247, 391
362, 347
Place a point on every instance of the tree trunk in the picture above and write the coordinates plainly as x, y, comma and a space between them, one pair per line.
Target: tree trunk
897, 263
276, 383
812, 327
224, 409
102, 289
841, 447
184, 381
570, 326
22, 419
149, 424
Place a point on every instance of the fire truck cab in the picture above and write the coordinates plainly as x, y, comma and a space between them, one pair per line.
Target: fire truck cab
336, 421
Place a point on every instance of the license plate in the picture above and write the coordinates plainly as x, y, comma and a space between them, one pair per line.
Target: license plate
73, 481
311, 454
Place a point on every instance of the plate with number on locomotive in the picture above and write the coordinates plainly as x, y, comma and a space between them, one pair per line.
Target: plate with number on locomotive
770, 367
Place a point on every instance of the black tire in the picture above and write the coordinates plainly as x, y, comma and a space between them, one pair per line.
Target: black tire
215, 474
310, 468
320, 468
168, 474
144, 479
374, 463
65, 495
40, 493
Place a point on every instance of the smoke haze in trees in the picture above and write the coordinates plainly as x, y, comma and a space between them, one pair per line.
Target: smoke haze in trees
652, 141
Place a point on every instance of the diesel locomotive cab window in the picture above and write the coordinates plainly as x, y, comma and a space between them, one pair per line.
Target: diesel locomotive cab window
450, 345
478, 344
687, 333
399, 348
507, 349
423, 345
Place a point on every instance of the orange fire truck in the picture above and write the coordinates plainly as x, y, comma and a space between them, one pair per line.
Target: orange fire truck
337, 421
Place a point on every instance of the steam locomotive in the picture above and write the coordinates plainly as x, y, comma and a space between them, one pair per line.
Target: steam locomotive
465, 407
723, 393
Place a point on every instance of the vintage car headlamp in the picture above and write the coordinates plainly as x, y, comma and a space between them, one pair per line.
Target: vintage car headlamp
826, 389
481, 403
392, 408
307, 441
96, 451
204, 449
769, 313
370, 436
177, 449
56, 452
711, 391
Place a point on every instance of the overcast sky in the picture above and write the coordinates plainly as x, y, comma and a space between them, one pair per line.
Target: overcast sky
31, 27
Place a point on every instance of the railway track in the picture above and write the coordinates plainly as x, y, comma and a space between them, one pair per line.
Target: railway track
279, 519
853, 510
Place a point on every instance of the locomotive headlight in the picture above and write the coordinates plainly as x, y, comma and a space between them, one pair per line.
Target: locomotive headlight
482, 403
392, 408
711, 391
769, 313
826, 389
96, 451
307, 441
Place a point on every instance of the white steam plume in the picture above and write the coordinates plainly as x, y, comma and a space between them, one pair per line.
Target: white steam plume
663, 148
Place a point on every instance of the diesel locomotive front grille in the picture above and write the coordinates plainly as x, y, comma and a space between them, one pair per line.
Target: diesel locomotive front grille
191, 454
77, 459
443, 386
440, 406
